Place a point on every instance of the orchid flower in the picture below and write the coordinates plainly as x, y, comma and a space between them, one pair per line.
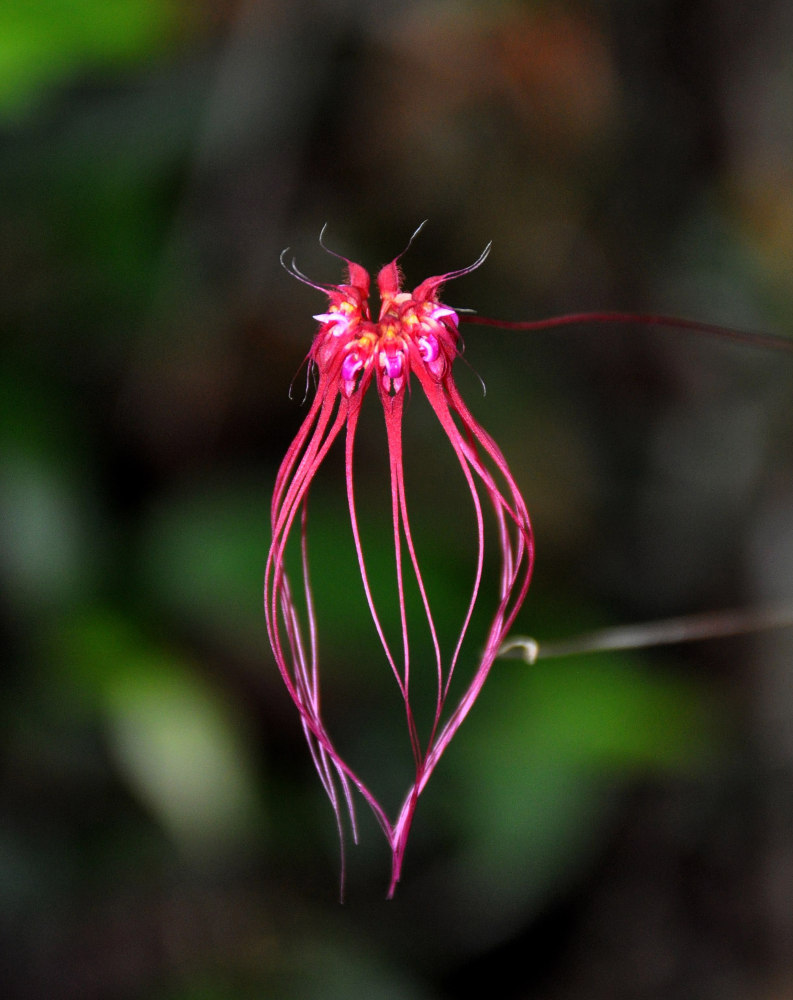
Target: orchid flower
414, 334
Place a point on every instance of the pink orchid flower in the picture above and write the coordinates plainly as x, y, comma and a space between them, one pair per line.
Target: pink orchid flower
415, 334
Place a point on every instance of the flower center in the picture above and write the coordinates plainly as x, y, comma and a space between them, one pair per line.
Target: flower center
412, 330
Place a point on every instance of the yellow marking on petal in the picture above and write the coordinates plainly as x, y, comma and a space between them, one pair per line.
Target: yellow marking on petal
388, 331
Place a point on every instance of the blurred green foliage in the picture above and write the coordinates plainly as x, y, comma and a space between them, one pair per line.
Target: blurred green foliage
177, 744
43, 45
570, 734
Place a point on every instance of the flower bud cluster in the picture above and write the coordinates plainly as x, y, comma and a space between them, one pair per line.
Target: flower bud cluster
413, 329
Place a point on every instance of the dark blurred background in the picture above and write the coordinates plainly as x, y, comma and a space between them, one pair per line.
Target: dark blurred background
609, 826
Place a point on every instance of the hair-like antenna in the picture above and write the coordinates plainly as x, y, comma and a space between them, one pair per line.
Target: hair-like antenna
333, 253
310, 370
469, 366
471, 267
418, 229
292, 269
326, 248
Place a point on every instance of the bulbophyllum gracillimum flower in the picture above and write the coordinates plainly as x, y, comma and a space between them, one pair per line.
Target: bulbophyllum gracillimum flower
414, 335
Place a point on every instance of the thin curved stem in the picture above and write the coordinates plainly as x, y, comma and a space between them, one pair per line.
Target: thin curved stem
666, 632
752, 339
